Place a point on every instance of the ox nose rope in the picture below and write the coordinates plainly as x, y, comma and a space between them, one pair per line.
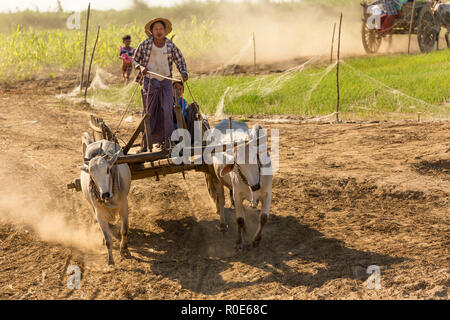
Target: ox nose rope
115, 179
126, 109
255, 187
190, 93
94, 189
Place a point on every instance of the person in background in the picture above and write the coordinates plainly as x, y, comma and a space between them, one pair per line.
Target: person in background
126, 54
178, 90
391, 8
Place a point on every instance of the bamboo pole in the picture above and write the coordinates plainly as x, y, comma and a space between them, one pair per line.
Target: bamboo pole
148, 135
332, 43
135, 134
90, 64
193, 151
230, 126
147, 127
337, 70
410, 26
85, 44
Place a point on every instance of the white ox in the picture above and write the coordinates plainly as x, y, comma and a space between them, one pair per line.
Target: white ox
443, 18
105, 185
248, 178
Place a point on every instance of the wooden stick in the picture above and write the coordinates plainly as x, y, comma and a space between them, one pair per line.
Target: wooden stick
332, 43
179, 118
230, 126
137, 173
148, 133
143, 157
160, 75
147, 128
152, 172
410, 26
158, 155
135, 134
90, 64
97, 130
254, 54
85, 44
337, 70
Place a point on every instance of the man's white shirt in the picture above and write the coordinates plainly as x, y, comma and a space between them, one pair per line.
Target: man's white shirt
159, 62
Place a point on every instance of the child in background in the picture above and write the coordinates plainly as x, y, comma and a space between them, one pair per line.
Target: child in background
178, 90
126, 54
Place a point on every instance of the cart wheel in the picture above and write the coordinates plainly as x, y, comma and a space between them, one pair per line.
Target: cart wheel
390, 40
426, 30
369, 39
85, 141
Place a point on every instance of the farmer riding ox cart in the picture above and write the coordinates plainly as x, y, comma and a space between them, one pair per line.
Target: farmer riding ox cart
154, 58
110, 167
385, 18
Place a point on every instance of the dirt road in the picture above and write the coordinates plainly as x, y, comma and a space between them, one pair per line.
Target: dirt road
346, 197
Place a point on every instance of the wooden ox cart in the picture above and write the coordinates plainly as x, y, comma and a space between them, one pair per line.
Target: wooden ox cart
419, 17
151, 164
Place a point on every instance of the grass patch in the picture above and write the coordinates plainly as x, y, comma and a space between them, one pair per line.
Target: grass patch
423, 77
370, 86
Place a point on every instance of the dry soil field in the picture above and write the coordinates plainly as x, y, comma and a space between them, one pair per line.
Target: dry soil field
346, 197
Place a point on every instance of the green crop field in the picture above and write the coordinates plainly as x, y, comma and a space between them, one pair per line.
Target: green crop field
35, 51
371, 87
38, 43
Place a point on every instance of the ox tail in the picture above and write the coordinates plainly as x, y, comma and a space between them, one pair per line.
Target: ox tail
210, 179
210, 185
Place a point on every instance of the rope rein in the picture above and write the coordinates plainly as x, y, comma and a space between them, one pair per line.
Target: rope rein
94, 189
115, 174
242, 176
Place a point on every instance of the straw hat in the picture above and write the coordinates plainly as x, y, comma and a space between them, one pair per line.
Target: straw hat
164, 20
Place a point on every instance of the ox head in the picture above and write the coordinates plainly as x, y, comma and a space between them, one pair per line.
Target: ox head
246, 161
100, 169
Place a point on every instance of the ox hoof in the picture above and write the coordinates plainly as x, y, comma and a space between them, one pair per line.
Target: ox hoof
222, 227
110, 262
242, 246
256, 242
125, 253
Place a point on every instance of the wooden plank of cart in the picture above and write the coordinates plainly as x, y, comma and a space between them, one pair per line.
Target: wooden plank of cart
150, 164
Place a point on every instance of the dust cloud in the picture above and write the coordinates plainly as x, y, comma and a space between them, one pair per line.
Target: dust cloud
47, 216
283, 34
